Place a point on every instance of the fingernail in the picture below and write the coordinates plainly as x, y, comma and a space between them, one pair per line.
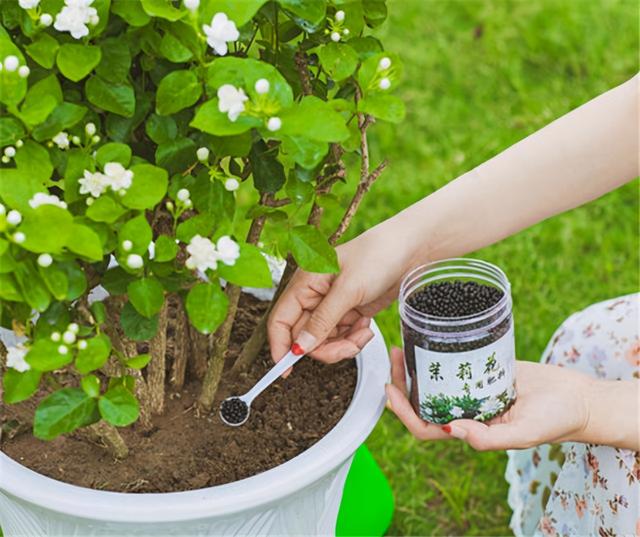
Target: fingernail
456, 432
306, 341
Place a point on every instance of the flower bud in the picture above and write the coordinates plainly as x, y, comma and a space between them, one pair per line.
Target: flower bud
203, 154
90, 128
14, 217
46, 19
45, 260
55, 336
69, 337
95, 139
192, 5
19, 143
169, 206
89, 201
82, 344
11, 63
127, 245
94, 20
23, 71
384, 63
183, 194
3, 209
5, 159
340, 16
73, 327
385, 83
335, 37
274, 124
75, 140
10, 151
231, 184
188, 203
19, 237
63, 349
134, 261
346, 31
262, 86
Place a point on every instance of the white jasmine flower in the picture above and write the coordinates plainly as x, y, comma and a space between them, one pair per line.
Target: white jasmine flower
40, 198
10, 151
82, 344
183, 194
69, 337
202, 254
456, 412
23, 71
231, 100
63, 349
61, 140
15, 358
262, 86
46, 19
384, 63
90, 128
203, 154
192, 5
45, 260
28, 4
221, 31
231, 184
228, 250
73, 327
11, 63
127, 245
117, 176
93, 183
14, 217
151, 250
490, 406
56, 336
340, 16
134, 261
335, 37
19, 237
385, 83
274, 124
74, 17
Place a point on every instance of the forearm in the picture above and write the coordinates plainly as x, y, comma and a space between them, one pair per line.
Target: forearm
577, 158
613, 418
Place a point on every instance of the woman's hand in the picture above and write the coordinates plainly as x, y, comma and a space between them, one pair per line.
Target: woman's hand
553, 405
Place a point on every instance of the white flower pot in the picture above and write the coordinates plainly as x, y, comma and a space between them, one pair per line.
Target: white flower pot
299, 497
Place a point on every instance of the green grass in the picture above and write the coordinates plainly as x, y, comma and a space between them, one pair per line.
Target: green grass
479, 77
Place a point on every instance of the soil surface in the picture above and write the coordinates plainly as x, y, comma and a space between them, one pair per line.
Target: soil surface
186, 452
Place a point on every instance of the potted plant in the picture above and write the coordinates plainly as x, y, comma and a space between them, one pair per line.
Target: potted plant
158, 158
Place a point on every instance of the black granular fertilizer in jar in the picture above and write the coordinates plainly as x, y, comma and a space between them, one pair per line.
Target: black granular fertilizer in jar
234, 410
457, 327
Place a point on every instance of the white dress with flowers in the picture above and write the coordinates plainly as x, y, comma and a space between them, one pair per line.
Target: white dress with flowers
583, 489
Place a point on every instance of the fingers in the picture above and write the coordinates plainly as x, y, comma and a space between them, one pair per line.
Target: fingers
488, 437
398, 377
417, 427
347, 347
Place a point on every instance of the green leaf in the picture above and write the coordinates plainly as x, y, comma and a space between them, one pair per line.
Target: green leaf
166, 249
375, 12
90, 385
20, 386
311, 12
138, 362
299, 191
77, 279
135, 326
41, 99
95, 355
176, 91
209, 119
8, 288
113, 152
307, 153
206, 306
239, 12
47, 229
162, 9
43, 50
105, 209
250, 269
13, 87
172, 49
44, 356
369, 73
138, 231
33, 289
146, 295
33, 159
56, 280
65, 116
176, 155
99, 312
148, 187
77, 61
119, 406
201, 224
161, 129
381, 106
338, 59
85, 242
131, 12
116, 60
313, 118
64, 411
10, 131
117, 98
268, 172
312, 251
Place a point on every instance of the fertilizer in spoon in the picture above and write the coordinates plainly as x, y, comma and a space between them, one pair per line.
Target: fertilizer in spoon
235, 410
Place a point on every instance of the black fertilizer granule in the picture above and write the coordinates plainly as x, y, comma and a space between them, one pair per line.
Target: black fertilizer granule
455, 298
234, 410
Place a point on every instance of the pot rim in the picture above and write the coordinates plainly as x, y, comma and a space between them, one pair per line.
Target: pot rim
327, 454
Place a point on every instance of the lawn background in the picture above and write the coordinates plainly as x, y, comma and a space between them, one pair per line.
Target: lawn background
479, 76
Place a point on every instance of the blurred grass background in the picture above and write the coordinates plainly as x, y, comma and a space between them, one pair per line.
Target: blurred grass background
479, 76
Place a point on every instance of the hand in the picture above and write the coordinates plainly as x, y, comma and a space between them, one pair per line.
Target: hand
552, 405
329, 314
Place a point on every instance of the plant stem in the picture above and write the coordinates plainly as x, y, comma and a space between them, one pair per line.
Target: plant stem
180, 324
111, 438
156, 370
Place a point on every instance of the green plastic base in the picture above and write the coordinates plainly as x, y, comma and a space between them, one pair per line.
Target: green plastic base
367, 501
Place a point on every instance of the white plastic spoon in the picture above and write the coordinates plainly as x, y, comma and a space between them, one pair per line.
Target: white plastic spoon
238, 407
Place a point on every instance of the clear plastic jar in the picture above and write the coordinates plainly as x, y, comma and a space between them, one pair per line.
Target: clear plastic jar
459, 367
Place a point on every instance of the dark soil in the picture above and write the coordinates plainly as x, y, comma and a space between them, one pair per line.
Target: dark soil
186, 452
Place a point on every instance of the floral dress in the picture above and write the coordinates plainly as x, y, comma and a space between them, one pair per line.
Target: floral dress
583, 489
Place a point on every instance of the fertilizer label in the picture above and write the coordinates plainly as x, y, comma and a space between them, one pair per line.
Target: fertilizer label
476, 384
